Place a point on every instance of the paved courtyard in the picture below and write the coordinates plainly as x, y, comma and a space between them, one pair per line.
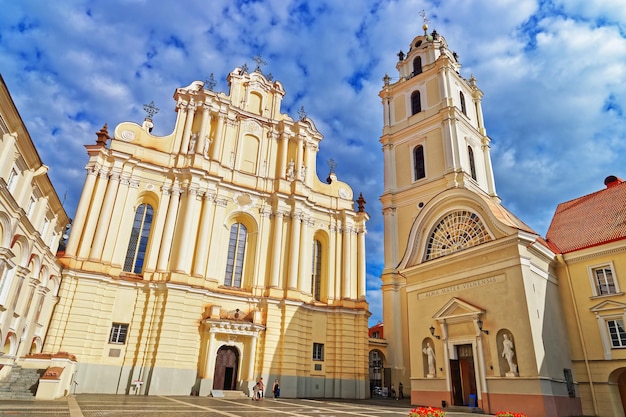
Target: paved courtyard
92, 405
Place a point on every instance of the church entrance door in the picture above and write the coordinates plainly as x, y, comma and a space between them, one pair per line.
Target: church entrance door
226, 367
463, 376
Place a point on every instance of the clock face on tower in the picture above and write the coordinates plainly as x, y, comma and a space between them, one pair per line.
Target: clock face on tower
456, 231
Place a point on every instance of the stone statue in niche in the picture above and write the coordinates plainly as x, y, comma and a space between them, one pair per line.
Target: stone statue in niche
302, 172
192, 143
207, 143
290, 171
508, 352
430, 354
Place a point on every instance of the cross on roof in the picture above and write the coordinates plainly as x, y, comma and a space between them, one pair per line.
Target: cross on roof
302, 113
332, 164
209, 83
423, 14
259, 61
150, 109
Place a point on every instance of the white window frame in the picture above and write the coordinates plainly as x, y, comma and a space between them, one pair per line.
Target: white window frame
12, 179
616, 321
118, 334
594, 285
603, 317
318, 352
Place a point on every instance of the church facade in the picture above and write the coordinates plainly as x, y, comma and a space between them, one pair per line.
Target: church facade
203, 260
471, 303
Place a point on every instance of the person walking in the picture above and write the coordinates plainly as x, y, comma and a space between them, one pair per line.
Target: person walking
276, 388
400, 393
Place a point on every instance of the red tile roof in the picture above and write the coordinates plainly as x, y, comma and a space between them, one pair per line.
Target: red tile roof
590, 220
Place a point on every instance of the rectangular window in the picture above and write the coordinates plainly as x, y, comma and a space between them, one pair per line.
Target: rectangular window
603, 280
318, 351
118, 333
12, 180
617, 333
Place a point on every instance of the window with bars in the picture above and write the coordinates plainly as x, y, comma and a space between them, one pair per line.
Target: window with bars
318, 351
316, 279
118, 334
603, 280
138, 242
236, 255
617, 333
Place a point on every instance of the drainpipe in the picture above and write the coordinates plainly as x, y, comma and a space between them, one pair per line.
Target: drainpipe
562, 261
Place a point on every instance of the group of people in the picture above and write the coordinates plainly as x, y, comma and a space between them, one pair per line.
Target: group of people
258, 391
399, 394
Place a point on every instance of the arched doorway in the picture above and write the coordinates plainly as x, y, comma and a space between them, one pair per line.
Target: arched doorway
226, 368
620, 376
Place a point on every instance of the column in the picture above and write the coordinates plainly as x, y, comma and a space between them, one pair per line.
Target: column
168, 231
105, 217
306, 247
345, 254
187, 131
203, 137
276, 249
252, 357
186, 234
217, 141
217, 249
202, 251
81, 211
282, 154
119, 252
93, 215
362, 272
338, 261
181, 106
156, 238
114, 228
354, 264
210, 356
261, 276
299, 143
7, 154
294, 247
332, 265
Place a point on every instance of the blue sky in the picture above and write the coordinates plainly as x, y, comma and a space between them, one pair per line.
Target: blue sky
553, 75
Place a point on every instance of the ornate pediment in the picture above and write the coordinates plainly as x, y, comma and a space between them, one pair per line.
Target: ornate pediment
458, 309
607, 306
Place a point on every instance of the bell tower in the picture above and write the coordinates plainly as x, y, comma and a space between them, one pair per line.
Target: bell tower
433, 140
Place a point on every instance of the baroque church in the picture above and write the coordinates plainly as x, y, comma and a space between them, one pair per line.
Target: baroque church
471, 302
203, 260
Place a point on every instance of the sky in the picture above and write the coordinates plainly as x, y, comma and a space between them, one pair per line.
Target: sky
553, 74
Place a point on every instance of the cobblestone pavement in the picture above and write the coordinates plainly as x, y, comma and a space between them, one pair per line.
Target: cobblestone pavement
96, 405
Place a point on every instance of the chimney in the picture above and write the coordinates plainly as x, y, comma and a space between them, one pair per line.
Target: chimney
612, 181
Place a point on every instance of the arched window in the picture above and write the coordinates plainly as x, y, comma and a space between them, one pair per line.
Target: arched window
470, 153
419, 169
236, 254
316, 271
138, 242
463, 108
417, 65
416, 102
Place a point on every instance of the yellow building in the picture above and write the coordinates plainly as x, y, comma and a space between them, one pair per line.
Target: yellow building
32, 223
589, 233
203, 260
470, 297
